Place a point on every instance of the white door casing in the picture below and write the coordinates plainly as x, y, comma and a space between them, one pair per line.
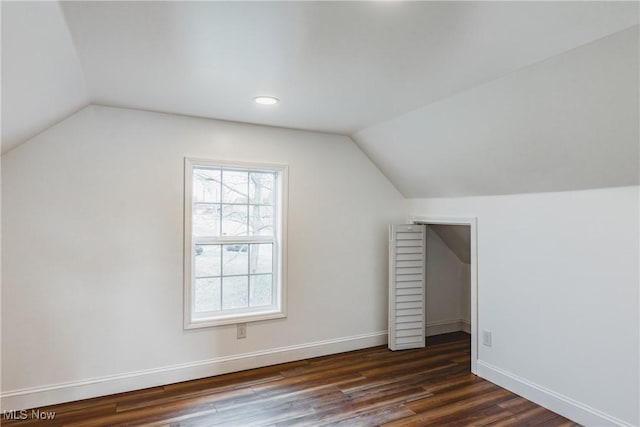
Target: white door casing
472, 222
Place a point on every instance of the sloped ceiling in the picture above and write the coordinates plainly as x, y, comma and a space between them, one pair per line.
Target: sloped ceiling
457, 238
355, 68
568, 123
42, 79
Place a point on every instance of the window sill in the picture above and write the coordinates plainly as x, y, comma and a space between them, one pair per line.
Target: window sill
233, 319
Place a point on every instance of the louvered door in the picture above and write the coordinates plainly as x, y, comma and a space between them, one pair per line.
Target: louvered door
407, 302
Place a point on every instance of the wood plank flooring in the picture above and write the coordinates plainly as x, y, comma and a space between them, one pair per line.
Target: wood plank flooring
370, 387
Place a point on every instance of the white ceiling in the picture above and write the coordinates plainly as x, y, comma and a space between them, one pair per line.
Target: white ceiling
568, 123
42, 79
338, 67
457, 238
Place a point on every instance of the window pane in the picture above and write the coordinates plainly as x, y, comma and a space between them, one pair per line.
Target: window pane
261, 188
260, 220
207, 295
208, 260
206, 220
261, 258
261, 290
235, 187
235, 292
234, 220
206, 185
235, 259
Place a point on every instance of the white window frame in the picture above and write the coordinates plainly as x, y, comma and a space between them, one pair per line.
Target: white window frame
278, 309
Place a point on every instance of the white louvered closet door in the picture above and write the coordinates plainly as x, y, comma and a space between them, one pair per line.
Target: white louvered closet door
407, 302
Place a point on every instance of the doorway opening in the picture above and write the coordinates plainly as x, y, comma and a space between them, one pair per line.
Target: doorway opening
451, 279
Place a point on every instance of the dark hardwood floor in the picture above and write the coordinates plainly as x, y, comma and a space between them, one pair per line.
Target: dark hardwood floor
374, 386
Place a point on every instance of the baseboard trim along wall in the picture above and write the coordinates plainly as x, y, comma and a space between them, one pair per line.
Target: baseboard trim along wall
74, 390
448, 326
563, 405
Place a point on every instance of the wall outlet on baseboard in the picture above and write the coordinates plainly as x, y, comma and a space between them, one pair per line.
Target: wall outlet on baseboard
241, 330
486, 338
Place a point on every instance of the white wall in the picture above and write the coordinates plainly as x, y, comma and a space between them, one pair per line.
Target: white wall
447, 286
558, 287
92, 252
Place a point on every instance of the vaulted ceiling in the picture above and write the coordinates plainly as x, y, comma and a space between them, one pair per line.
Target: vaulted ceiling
447, 98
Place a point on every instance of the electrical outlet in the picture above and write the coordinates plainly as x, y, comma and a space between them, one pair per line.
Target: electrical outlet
486, 338
241, 330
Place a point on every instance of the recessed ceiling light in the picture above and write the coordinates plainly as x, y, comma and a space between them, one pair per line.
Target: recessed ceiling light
266, 100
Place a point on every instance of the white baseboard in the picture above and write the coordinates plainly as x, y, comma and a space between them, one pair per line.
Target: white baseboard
465, 326
556, 402
74, 390
448, 326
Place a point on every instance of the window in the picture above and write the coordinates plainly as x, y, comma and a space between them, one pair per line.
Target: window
235, 229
